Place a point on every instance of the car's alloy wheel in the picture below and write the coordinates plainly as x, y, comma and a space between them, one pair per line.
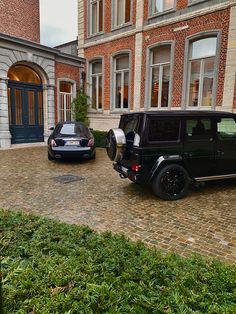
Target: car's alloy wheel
171, 183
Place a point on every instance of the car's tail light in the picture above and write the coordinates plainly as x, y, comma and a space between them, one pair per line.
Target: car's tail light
136, 168
90, 142
53, 143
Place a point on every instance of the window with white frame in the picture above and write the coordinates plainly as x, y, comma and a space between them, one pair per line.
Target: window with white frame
96, 85
158, 6
201, 74
194, 1
121, 81
160, 62
96, 16
65, 100
122, 12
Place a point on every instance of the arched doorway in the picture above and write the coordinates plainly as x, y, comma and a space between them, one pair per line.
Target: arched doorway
25, 104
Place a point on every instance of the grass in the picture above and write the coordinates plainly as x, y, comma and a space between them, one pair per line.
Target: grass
51, 267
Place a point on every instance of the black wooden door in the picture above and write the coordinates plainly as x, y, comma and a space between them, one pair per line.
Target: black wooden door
26, 112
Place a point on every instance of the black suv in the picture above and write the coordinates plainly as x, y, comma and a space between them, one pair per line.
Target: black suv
169, 150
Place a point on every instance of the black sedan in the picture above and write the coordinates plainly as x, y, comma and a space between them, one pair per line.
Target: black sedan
71, 140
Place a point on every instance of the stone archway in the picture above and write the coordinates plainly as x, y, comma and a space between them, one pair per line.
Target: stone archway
42, 64
25, 104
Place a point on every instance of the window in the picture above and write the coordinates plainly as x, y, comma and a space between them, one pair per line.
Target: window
22, 73
129, 123
122, 12
96, 16
160, 76
158, 6
164, 129
226, 129
72, 129
65, 99
121, 82
96, 89
198, 129
194, 1
201, 77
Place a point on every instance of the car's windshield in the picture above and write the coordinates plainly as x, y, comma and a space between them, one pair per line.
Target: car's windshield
72, 129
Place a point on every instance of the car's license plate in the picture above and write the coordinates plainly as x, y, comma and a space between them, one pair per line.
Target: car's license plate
123, 169
75, 143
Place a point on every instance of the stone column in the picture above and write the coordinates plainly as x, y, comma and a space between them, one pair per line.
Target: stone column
138, 55
49, 111
5, 136
230, 69
81, 22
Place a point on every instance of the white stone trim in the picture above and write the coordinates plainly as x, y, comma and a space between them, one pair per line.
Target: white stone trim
81, 29
5, 136
230, 69
138, 71
104, 122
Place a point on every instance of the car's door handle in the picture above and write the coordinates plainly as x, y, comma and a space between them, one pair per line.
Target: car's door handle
187, 154
220, 152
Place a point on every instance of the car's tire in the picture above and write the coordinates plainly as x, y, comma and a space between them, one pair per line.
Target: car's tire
94, 156
50, 157
115, 144
171, 183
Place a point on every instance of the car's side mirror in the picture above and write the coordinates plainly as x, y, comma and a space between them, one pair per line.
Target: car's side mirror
52, 128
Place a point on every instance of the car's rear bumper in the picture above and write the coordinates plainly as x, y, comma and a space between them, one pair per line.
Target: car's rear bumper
71, 152
127, 173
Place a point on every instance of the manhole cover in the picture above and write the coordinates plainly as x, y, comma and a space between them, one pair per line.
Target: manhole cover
68, 178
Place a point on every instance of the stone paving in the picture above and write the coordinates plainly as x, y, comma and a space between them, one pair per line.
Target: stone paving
203, 222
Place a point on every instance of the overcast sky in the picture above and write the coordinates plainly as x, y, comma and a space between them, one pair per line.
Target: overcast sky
58, 21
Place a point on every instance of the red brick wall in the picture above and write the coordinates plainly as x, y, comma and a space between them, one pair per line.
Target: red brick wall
218, 21
181, 4
107, 50
65, 71
20, 18
214, 21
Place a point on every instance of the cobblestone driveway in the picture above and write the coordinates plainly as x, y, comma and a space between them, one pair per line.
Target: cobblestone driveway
203, 222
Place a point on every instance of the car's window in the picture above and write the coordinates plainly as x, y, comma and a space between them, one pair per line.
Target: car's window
163, 129
198, 129
130, 124
226, 128
72, 130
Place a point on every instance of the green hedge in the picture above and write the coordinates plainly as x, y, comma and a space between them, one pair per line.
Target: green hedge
50, 267
100, 138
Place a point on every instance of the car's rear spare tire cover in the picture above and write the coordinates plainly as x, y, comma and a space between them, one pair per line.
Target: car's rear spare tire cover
115, 144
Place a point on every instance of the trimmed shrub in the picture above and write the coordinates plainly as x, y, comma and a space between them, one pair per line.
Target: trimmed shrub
100, 138
80, 106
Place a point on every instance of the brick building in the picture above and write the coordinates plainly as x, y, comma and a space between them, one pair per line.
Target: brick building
157, 55
37, 83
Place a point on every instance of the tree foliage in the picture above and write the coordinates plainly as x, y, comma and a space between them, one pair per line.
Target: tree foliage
80, 106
